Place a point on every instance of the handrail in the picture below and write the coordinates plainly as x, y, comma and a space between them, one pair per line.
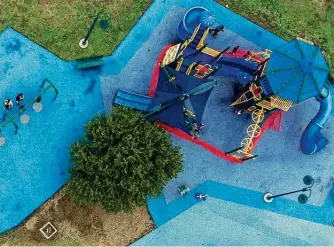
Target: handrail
11, 119
51, 85
8, 122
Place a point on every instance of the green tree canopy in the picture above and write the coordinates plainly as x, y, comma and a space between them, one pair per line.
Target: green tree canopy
122, 159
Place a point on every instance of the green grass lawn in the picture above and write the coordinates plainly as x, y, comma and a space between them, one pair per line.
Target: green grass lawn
58, 25
312, 20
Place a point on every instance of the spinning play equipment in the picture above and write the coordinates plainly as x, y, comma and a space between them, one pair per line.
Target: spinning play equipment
269, 83
194, 17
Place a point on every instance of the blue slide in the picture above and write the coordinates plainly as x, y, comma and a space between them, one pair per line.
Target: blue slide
136, 101
312, 140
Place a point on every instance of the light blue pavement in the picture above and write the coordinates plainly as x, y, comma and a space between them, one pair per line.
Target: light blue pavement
35, 162
162, 212
217, 222
280, 166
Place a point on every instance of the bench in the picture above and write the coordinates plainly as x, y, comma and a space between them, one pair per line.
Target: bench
89, 62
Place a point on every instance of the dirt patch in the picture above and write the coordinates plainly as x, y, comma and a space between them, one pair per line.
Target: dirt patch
80, 225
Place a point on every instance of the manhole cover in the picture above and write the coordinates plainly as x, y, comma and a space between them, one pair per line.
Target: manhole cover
37, 107
2, 140
48, 230
24, 119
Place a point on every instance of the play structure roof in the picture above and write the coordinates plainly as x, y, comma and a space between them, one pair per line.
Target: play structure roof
173, 98
297, 71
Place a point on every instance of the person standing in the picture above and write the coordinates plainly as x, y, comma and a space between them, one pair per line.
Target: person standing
247, 54
200, 196
19, 98
217, 30
235, 49
8, 104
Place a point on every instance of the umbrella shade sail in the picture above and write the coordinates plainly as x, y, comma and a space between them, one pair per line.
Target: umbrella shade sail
170, 110
169, 105
297, 71
198, 102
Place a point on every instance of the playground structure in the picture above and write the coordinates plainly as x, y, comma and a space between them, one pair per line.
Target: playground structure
269, 83
53, 122
10, 119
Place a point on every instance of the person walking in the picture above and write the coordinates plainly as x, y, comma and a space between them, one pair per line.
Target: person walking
235, 49
8, 104
247, 54
201, 197
19, 98
216, 31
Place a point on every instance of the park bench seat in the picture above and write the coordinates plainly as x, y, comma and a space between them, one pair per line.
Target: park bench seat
89, 62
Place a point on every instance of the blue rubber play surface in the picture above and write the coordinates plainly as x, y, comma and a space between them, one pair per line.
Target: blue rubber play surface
35, 162
280, 167
216, 222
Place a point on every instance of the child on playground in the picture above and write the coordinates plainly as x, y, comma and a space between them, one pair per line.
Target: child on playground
8, 104
200, 196
19, 98
247, 54
235, 49
197, 127
217, 30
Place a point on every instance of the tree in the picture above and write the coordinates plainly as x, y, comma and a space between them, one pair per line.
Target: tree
122, 159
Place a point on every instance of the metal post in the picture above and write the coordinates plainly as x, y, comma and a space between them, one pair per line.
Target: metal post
251, 157
8, 122
84, 42
264, 61
288, 193
234, 150
220, 54
162, 106
52, 85
171, 78
308, 180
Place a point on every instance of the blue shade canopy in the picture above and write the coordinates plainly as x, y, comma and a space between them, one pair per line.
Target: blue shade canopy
297, 71
169, 101
172, 115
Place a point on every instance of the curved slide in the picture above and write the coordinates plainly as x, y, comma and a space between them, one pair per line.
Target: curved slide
312, 140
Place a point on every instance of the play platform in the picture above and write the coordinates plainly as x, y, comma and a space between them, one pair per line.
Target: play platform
280, 166
36, 159
224, 129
